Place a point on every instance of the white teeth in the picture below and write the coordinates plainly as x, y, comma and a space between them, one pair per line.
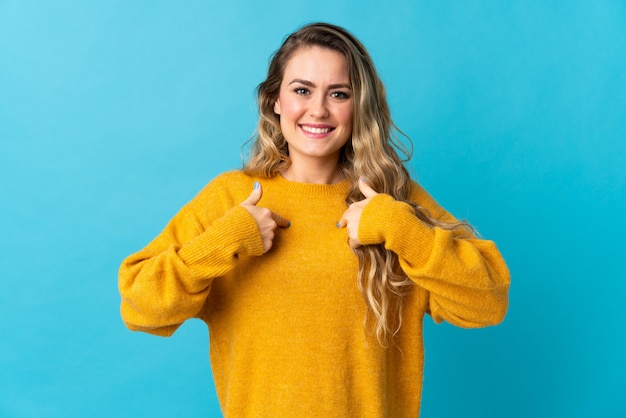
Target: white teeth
315, 130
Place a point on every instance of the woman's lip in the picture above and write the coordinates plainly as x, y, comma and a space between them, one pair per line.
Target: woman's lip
317, 125
316, 129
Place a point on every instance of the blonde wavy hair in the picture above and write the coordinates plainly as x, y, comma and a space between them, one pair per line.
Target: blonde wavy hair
372, 153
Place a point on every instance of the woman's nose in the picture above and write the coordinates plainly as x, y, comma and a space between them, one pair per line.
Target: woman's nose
318, 107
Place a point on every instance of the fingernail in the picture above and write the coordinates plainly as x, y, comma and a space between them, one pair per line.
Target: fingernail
257, 185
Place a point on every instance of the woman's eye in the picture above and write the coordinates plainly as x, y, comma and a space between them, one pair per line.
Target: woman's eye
340, 95
301, 91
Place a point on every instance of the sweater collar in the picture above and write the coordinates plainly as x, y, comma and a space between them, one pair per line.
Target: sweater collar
311, 189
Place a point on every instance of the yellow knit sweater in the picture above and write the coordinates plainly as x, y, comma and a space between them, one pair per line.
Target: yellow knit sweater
287, 335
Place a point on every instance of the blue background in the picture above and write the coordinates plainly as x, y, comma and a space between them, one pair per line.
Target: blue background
113, 114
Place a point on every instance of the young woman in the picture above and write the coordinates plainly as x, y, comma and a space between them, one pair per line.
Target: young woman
314, 266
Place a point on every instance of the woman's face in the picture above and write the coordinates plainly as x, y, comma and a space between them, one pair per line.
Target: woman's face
315, 105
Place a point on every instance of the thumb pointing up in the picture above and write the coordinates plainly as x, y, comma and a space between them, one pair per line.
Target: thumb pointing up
366, 189
255, 195
266, 220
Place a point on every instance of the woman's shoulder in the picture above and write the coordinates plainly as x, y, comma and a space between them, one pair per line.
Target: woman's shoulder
232, 176
229, 181
418, 192
221, 193
421, 197
227, 186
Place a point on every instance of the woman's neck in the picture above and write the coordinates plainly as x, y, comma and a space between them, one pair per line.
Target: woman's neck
313, 173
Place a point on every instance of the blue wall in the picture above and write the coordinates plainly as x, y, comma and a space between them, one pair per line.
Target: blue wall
115, 113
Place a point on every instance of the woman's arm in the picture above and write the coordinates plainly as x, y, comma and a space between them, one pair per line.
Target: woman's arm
466, 278
168, 281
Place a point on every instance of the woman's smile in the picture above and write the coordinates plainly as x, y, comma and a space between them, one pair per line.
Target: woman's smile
316, 131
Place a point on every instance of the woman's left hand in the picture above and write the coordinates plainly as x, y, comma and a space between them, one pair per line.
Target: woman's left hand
352, 217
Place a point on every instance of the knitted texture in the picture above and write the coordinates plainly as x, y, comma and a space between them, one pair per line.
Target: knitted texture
287, 332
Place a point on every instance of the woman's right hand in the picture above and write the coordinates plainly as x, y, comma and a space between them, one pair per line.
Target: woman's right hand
266, 220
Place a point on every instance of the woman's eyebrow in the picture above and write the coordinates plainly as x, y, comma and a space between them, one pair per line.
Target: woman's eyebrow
311, 84
301, 81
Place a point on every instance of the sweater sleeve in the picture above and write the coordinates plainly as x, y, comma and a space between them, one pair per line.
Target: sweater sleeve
466, 279
168, 281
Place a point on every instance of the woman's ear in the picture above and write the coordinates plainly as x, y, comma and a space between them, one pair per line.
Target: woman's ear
277, 106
